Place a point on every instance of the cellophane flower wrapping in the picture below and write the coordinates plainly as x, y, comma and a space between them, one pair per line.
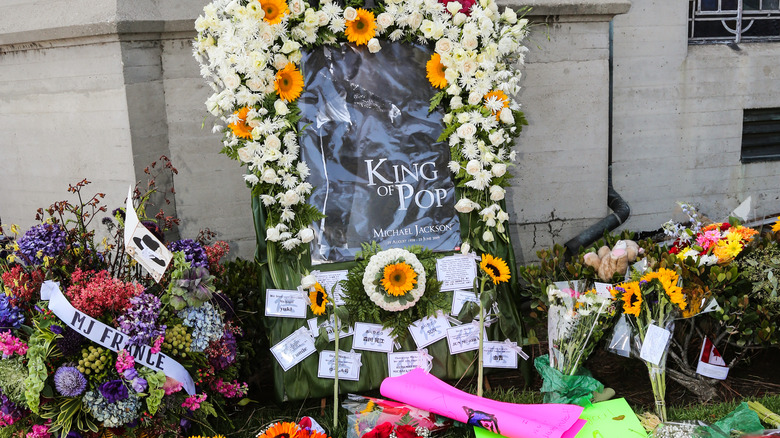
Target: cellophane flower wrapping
365, 413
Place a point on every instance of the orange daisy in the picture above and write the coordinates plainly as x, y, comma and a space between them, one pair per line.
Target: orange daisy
281, 430
275, 10
240, 128
289, 83
436, 70
362, 28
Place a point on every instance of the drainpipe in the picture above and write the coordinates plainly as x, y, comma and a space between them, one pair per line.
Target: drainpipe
619, 207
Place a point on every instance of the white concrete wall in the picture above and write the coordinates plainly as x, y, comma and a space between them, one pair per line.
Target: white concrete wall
678, 117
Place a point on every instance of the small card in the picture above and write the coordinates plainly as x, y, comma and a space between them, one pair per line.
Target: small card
141, 244
372, 337
461, 297
314, 328
402, 362
654, 346
462, 338
285, 303
349, 365
603, 290
328, 280
456, 272
294, 348
428, 330
498, 355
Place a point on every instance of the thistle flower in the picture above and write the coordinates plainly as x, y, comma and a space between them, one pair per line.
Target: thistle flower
69, 381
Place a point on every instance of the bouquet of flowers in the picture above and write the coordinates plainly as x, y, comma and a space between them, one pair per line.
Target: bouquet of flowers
378, 418
59, 377
651, 303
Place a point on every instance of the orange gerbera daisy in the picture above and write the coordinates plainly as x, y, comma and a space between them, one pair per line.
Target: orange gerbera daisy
436, 70
240, 128
289, 83
281, 430
275, 10
745, 233
495, 268
495, 101
362, 28
398, 279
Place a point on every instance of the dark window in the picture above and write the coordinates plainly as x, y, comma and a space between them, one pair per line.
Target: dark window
760, 135
713, 21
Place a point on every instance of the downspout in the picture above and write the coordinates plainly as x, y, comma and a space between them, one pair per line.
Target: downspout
619, 207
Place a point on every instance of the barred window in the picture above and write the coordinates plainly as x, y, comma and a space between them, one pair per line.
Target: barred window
723, 21
760, 135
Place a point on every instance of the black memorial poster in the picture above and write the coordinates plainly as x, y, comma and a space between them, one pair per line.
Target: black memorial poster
378, 172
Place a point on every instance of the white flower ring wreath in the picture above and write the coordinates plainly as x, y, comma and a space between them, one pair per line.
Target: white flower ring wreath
374, 270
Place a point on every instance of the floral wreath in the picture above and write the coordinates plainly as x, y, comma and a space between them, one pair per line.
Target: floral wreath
250, 53
394, 279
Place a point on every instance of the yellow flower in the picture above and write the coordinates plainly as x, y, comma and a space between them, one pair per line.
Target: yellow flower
745, 233
318, 298
727, 249
668, 279
369, 407
398, 279
495, 268
240, 128
632, 298
289, 83
275, 10
15, 228
436, 70
281, 430
362, 28
776, 226
494, 98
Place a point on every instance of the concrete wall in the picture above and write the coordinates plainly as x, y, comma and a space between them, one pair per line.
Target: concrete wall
101, 90
678, 117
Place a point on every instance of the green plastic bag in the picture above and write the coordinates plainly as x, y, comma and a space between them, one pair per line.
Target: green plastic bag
558, 388
742, 419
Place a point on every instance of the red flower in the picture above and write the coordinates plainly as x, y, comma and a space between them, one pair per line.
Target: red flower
406, 431
381, 431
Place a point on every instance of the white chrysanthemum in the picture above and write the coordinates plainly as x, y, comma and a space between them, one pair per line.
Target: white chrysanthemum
376, 265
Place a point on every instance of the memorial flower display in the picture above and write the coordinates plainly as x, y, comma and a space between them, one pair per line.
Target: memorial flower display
92, 345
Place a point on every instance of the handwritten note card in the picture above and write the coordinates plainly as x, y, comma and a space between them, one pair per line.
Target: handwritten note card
402, 362
294, 348
328, 280
603, 290
456, 272
328, 325
285, 303
349, 365
654, 346
462, 338
372, 337
498, 355
461, 297
428, 330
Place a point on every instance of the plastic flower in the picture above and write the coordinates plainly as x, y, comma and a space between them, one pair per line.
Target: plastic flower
240, 128
318, 298
289, 83
398, 279
495, 267
281, 430
362, 28
435, 71
632, 297
275, 10
495, 101
69, 381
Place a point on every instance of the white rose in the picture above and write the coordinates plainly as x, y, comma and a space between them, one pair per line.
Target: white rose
384, 20
232, 81
469, 67
453, 90
269, 176
267, 36
451, 74
459, 18
506, 116
465, 205
463, 117
466, 130
296, 7
474, 98
272, 234
469, 42
444, 45
373, 45
497, 193
454, 7
447, 119
281, 108
308, 281
306, 235
245, 154
311, 19
280, 61
290, 46
290, 197
323, 19
456, 102
465, 248
496, 138
272, 142
350, 13
473, 167
509, 15
487, 236
498, 169
415, 20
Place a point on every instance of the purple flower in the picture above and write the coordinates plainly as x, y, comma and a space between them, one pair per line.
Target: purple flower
10, 315
140, 320
130, 374
69, 381
193, 252
48, 239
114, 391
139, 384
73, 434
57, 330
70, 343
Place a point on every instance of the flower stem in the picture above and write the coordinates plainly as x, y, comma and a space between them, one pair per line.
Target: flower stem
336, 330
480, 353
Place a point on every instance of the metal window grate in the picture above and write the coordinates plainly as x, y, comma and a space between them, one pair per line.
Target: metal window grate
760, 135
733, 21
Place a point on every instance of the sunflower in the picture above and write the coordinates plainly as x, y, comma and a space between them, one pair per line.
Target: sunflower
281, 430
632, 298
240, 128
776, 226
436, 70
275, 10
398, 279
668, 280
495, 267
362, 28
495, 101
289, 83
318, 298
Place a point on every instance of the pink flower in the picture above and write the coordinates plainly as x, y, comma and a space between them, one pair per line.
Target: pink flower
171, 385
10, 344
708, 238
157, 344
124, 361
230, 390
39, 431
193, 402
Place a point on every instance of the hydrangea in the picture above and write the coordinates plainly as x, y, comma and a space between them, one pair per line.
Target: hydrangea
140, 320
193, 251
206, 323
69, 381
112, 414
44, 240
10, 315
